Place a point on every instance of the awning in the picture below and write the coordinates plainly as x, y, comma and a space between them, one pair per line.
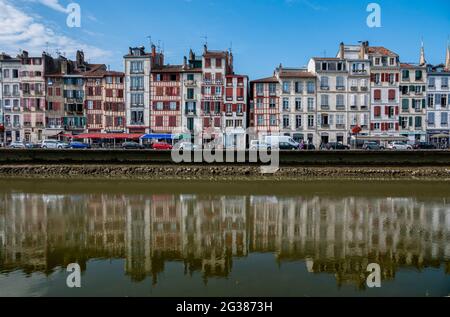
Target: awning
440, 136
108, 136
52, 133
381, 138
156, 136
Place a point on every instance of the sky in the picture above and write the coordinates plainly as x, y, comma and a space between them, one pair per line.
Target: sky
261, 33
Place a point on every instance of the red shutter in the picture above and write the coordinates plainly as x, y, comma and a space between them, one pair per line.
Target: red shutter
396, 126
386, 110
372, 126
206, 122
377, 94
382, 77
217, 122
234, 107
229, 92
372, 78
396, 77
396, 111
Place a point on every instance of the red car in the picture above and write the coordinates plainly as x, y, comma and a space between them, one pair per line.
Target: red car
161, 146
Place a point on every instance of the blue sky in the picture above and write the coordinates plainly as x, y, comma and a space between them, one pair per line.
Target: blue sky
262, 33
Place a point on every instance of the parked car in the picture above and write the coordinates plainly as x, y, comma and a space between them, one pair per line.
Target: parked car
258, 145
372, 146
161, 146
187, 146
54, 144
424, 146
132, 146
335, 146
309, 147
17, 145
282, 143
79, 145
399, 146
32, 145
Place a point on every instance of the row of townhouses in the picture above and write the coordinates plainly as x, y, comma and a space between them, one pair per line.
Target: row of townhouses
364, 91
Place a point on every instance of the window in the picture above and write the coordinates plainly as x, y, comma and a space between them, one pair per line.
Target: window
431, 118
444, 118
207, 62
430, 101
137, 117
272, 88
298, 87
173, 105
392, 95
324, 100
324, 82
218, 62
310, 121
259, 89
340, 101
272, 103
405, 74
392, 61
137, 100
444, 100
229, 123
310, 104
340, 82
259, 103
377, 111
286, 87
273, 120
260, 120
418, 122
444, 82
137, 67
340, 121
311, 87
418, 75
137, 83
286, 123
298, 104
298, 121
377, 94
405, 105
431, 82
286, 104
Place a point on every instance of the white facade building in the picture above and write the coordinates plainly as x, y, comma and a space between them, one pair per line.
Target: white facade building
137, 90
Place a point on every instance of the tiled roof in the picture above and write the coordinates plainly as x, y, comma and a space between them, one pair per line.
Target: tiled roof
381, 51
296, 74
272, 79
410, 66
168, 69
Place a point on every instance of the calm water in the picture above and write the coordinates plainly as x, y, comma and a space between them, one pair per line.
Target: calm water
307, 238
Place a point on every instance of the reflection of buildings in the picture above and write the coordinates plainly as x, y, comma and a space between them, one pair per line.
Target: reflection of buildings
334, 235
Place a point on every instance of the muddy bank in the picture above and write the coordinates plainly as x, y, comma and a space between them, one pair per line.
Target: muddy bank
217, 172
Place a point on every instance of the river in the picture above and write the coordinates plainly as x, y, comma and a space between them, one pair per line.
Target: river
241, 238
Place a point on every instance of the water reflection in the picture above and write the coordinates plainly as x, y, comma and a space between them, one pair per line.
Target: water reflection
332, 235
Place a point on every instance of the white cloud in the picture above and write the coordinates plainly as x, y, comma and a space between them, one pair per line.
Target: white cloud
53, 4
19, 30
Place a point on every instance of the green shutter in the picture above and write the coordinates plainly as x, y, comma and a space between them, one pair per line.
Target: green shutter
424, 103
410, 121
405, 104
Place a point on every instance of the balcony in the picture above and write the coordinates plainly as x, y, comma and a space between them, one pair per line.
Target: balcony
340, 107
364, 88
190, 112
340, 87
325, 107
354, 88
325, 87
359, 72
137, 88
325, 126
240, 114
340, 126
190, 83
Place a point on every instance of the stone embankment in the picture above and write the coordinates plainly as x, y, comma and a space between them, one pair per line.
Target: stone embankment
218, 171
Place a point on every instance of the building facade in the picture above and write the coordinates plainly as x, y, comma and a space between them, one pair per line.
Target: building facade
137, 90
332, 108
413, 109
385, 83
12, 113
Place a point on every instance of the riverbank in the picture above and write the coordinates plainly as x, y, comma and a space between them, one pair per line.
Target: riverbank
186, 172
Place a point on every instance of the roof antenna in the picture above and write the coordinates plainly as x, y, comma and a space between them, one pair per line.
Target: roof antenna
149, 37
206, 39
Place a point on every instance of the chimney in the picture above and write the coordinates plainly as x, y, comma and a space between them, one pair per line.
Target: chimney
191, 55
341, 50
184, 62
153, 51
205, 48
80, 59
64, 67
25, 54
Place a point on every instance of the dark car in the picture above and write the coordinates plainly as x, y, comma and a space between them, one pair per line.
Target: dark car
424, 146
284, 146
372, 146
79, 145
309, 147
335, 146
132, 146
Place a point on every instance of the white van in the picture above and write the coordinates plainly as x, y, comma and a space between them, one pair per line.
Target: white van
282, 142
